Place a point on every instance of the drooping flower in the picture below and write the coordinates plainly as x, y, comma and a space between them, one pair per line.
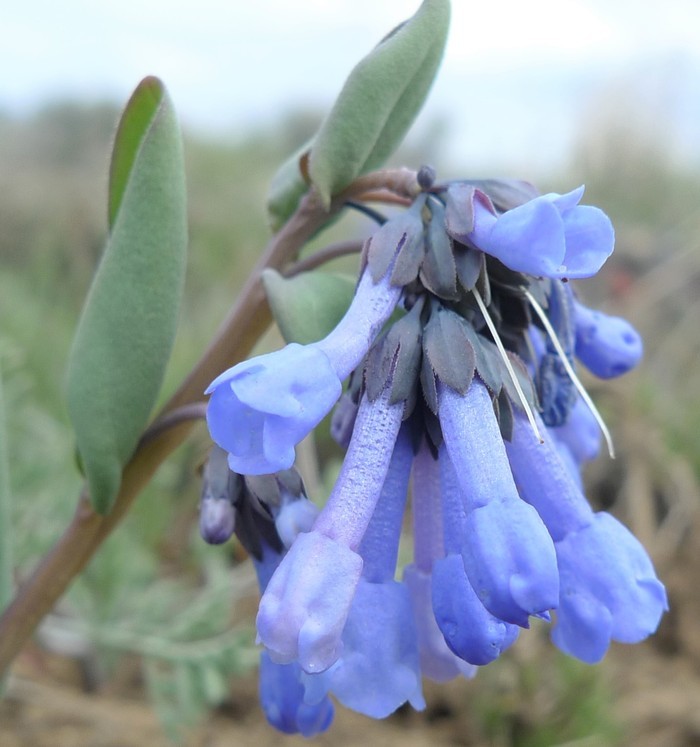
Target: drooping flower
306, 604
280, 687
267, 530
548, 236
261, 408
609, 590
449, 391
282, 699
508, 554
378, 670
454, 598
437, 661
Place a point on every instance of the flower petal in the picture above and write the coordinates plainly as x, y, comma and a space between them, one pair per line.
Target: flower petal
590, 240
604, 566
282, 700
508, 553
379, 668
437, 662
545, 482
530, 238
470, 631
304, 608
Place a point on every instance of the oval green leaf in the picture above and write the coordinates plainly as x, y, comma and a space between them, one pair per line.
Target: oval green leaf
309, 305
128, 323
379, 101
138, 114
287, 188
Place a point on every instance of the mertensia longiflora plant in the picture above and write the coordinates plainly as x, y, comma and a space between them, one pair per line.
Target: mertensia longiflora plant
452, 379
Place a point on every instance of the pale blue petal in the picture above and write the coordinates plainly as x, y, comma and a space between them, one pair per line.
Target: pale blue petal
261, 408
530, 238
380, 544
379, 669
510, 561
604, 565
282, 383
590, 240
508, 553
583, 625
304, 608
566, 201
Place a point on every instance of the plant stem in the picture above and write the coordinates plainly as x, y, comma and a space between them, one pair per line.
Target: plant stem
327, 254
247, 320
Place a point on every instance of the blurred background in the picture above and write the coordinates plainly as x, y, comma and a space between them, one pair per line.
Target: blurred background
155, 641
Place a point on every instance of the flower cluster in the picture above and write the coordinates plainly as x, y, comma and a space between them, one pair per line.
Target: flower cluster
470, 396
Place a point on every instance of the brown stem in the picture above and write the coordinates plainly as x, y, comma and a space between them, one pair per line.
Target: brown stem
328, 253
246, 322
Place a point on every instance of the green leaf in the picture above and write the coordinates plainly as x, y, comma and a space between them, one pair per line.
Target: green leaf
287, 188
128, 323
379, 101
137, 116
309, 305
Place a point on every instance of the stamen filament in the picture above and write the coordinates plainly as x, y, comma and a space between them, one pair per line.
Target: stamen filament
509, 365
570, 370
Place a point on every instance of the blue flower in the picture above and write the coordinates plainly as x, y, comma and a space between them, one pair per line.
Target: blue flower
261, 408
550, 236
454, 598
608, 346
508, 554
608, 588
282, 700
304, 609
280, 686
437, 661
502, 530
379, 669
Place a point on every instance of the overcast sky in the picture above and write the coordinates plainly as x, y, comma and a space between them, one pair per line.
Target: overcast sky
517, 75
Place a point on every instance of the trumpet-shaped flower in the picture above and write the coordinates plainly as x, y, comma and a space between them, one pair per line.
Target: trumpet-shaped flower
454, 599
550, 236
280, 685
304, 609
508, 554
437, 661
282, 700
261, 408
378, 670
609, 590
